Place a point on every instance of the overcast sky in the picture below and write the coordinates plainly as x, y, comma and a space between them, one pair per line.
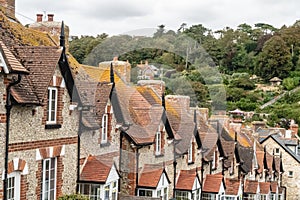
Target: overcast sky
92, 17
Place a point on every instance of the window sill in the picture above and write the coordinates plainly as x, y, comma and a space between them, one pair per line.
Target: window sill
159, 155
52, 126
191, 163
104, 144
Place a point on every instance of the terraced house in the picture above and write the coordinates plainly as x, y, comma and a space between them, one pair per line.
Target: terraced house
71, 128
37, 121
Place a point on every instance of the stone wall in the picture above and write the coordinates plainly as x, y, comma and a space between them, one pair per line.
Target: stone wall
289, 164
28, 136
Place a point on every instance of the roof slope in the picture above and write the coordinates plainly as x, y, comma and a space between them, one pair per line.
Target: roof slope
232, 186
15, 34
41, 63
251, 186
97, 168
14, 66
186, 180
212, 183
150, 176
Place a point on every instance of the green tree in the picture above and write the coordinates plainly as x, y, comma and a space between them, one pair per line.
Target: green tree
274, 60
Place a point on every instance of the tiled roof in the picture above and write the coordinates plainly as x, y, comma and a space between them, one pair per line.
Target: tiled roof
149, 94
95, 95
232, 186
97, 168
150, 176
99, 74
260, 161
186, 179
251, 186
274, 186
269, 159
265, 187
228, 147
15, 34
41, 63
246, 157
209, 140
278, 164
212, 183
182, 122
13, 64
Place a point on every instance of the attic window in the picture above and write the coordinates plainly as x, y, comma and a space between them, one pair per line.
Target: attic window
277, 151
290, 174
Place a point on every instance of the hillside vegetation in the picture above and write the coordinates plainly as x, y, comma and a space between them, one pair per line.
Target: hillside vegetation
223, 69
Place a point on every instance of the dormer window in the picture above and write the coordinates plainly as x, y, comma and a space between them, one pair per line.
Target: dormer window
158, 143
190, 153
52, 105
104, 128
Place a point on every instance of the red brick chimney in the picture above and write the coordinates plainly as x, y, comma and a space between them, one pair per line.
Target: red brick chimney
39, 17
50, 17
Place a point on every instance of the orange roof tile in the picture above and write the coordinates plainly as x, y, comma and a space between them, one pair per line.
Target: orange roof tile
150, 176
212, 183
97, 168
186, 179
250, 186
260, 161
265, 187
232, 186
274, 186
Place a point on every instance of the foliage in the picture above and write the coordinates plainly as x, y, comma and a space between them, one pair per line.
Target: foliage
207, 62
73, 197
274, 60
242, 82
290, 83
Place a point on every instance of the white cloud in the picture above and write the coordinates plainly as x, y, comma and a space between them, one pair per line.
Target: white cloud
92, 17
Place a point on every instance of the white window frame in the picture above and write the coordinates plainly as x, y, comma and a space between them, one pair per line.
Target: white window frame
49, 105
190, 153
213, 164
182, 194
45, 190
91, 194
17, 186
158, 143
104, 128
277, 149
143, 189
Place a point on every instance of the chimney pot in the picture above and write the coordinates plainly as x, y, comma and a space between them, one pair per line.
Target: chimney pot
50, 17
115, 58
39, 17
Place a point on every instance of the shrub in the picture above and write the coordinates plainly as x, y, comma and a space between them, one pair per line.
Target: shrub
73, 197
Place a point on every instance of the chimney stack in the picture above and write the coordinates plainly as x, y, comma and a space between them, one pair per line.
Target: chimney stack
50, 17
39, 17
